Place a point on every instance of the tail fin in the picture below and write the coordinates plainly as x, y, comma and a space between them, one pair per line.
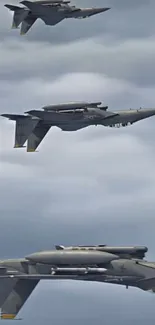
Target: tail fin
6, 286
27, 24
24, 127
17, 298
19, 15
36, 136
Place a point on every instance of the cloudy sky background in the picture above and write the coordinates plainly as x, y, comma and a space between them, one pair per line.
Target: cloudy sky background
93, 186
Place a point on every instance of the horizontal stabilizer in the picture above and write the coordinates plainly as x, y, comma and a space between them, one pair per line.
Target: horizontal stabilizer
13, 8
14, 117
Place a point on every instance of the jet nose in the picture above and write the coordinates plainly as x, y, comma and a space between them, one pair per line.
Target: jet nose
95, 11
99, 10
149, 112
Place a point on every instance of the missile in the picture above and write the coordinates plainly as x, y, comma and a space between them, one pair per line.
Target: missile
70, 257
77, 270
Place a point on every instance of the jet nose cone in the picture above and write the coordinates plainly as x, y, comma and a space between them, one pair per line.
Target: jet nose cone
150, 112
105, 9
99, 10
94, 11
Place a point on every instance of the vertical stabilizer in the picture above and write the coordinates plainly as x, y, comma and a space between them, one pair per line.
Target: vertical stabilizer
6, 286
17, 297
24, 126
36, 136
27, 24
19, 14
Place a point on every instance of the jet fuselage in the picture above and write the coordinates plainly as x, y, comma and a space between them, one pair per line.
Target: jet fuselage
72, 121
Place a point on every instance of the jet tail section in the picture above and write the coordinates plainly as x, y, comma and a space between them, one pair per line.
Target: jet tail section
17, 297
24, 127
23, 130
19, 15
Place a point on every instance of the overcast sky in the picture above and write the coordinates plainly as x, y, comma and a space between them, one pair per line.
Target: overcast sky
95, 186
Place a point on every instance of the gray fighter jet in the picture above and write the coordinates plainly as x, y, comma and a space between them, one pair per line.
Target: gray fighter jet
33, 126
50, 11
120, 265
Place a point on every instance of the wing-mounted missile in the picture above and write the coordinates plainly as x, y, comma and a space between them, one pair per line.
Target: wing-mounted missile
70, 257
123, 252
77, 270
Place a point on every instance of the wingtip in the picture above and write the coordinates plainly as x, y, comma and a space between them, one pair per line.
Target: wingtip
7, 6
4, 115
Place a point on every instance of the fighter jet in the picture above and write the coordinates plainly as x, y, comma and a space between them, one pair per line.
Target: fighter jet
101, 263
34, 125
50, 11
